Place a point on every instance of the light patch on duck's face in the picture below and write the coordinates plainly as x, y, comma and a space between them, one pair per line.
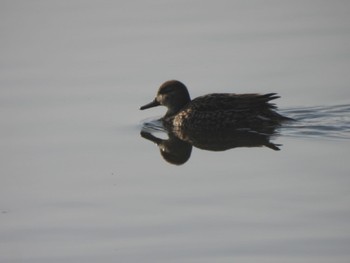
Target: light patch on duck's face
163, 97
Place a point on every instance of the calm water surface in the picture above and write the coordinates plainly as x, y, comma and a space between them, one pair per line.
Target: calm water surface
80, 184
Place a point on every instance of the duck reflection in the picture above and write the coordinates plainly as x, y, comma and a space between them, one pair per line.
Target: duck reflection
177, 148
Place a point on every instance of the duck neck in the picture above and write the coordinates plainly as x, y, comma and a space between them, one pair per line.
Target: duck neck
172, 111
175, 109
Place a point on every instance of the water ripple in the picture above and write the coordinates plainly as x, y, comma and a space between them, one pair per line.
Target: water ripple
331, 122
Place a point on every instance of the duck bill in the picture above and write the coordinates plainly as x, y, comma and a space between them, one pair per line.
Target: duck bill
154, 103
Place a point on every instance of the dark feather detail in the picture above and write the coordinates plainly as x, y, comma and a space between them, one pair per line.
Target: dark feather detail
234, 102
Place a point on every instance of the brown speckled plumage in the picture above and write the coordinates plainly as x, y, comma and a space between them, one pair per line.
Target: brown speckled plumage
215, 111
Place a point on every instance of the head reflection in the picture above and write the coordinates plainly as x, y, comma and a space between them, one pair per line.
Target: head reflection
173, 150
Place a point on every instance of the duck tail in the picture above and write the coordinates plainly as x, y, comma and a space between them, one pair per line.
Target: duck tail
266, 98
270, 96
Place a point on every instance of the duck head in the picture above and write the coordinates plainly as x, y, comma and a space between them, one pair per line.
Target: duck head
172, 94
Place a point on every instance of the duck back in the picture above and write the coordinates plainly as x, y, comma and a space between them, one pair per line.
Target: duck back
229, 110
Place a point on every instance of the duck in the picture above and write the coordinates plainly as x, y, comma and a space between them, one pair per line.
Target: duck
215, 111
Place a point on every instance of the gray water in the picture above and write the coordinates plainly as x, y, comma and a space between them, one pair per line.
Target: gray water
79, 183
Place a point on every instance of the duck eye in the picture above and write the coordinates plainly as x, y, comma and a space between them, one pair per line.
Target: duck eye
166, 90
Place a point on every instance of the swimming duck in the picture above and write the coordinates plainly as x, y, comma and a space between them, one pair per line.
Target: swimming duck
215, 111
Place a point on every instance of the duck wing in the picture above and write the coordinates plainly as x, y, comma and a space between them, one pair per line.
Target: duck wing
234, 102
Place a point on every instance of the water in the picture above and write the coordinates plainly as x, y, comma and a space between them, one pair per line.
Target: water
324, 122
79, 183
